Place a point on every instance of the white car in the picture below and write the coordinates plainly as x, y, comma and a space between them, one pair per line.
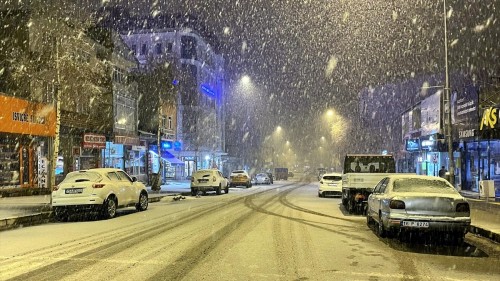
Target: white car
240, 178
262, 178
102, 189
330, 184
209, 180
406, 203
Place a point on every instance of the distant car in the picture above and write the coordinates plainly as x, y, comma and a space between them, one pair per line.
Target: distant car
415, 203
240, 178
262, 178
209, 180
102, 189
271, 178
330, 184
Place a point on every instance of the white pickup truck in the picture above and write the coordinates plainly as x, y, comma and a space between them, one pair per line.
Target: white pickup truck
361, 173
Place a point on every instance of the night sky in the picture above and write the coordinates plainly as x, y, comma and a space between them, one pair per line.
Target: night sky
306, 56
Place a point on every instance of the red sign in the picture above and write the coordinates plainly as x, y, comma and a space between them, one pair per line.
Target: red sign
94, 141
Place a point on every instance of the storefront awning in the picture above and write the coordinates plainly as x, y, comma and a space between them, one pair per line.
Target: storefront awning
171, 158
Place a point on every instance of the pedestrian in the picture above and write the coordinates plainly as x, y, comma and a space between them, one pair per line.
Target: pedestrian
442, 172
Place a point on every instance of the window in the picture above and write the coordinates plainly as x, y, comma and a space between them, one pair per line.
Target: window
113, 176
144, 49
124, 177
163, 122
126, 116
169, 47
134, 49
188, 50
170, 122
158, 48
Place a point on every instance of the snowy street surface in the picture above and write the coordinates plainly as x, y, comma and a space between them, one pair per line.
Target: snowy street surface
268, 232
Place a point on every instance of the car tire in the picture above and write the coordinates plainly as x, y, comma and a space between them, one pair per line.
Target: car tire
109, 208
61, 214
369, 220
142, 205
218, 190
193, 192
247, 185
226, 190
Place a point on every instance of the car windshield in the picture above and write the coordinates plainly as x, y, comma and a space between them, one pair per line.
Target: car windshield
80, 177
422, 186
244, 139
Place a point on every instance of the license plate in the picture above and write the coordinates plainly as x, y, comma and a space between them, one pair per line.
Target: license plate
203, 180
73, 190
420, 224
332, 184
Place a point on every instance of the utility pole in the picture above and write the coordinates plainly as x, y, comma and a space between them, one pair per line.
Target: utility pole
447, 103
57, 103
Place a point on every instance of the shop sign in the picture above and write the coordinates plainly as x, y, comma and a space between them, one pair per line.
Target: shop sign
94, 141
125, 140
490, 119
23, 117
431, 114
413, 145
42, 168
465, 111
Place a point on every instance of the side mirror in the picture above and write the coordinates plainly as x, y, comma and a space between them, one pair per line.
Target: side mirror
134, 179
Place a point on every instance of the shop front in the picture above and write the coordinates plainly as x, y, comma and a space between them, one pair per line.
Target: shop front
485, 160
126, 153
171, 166
25, 131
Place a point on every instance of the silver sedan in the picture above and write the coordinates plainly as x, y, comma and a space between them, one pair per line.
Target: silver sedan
414, 203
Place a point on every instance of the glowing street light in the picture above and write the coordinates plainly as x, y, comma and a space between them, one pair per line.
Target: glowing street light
245, 80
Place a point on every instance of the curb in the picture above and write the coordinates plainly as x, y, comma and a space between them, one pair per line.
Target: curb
495, 237
47, 216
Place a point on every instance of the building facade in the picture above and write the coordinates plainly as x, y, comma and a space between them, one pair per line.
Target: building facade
198, 78
416, 135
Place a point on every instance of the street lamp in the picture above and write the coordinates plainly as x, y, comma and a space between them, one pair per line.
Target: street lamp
448, 131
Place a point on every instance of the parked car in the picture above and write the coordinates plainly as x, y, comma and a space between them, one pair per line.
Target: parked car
240, 178
262, 178
330, 184
209, 180
407, 202
102, 189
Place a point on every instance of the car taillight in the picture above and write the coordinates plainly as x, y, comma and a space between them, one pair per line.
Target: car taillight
463, 208
397, 204
192, 179
98, 185
55, 188
214, 178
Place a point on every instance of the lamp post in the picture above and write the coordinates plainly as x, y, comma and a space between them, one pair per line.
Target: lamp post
447, 102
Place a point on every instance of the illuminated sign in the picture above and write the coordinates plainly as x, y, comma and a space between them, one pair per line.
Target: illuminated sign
94, 141
413, 145
490, 118
23, 117
207, 90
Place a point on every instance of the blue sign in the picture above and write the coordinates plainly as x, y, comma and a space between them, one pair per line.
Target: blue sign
207, 90
412, 145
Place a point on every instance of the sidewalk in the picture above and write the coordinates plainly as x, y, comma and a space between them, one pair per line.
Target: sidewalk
31, 210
